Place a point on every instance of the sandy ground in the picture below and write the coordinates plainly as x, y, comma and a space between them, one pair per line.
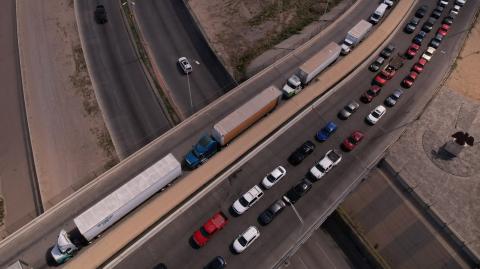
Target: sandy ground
253, 26
465, 77
70, 142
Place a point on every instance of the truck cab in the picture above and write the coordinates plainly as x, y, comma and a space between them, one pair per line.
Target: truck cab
204, 149
64, 249
292, 87
346, 46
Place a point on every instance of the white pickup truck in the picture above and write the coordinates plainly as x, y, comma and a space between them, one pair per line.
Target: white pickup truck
331, 159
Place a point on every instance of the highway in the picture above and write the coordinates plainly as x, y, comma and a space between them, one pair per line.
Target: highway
130, 107
170, 33
178, 141
172, 246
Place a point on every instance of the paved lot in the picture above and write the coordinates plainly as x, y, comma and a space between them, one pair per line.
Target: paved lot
395, 229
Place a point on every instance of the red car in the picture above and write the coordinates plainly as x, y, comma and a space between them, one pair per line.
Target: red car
417, 68
368, 96
380, 79
410, 79
214, 224
422, 62
350, 142
412, 50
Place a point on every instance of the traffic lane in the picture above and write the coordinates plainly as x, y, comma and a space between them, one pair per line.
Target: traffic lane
130, 107
160, 21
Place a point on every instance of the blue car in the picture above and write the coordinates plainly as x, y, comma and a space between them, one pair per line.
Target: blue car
326, 131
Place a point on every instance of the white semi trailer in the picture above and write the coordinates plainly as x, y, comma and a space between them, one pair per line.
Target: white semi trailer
116, 205
355, 35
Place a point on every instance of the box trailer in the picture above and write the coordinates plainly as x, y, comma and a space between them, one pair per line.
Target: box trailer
116, 205
318, 62
246, 115
355, 35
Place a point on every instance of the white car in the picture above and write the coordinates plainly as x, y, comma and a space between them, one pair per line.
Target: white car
460, 2
331, 158
185, 65
443, 3
388, 2
274, 176
245, 239
427, 55
376, 114
247, 200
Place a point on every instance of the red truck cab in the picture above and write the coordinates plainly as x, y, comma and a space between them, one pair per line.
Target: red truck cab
214, 224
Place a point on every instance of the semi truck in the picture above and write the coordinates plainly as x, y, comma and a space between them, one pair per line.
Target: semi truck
105, 213
310, 69
232, 125
355, 36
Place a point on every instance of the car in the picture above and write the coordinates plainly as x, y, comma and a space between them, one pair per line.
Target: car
376, 114
434, 43
387, 51
421, 11
330, 160
301, 153
217, 263
428, 25
438, 37
298, 191
380, 79
348, 110
442, 3
326, 131
456, 8
442, 31
417, 68
389, 3
352, 141
439, 8
247, 200
422, 62
419, 37
244, 240
427, 55
377, 64
368, 96
393, 98
412, 50
460, 2
185, 65
209, 228
453, 13
447, 20
411, 25
160, 266
409, 79
100, 14
436, 14
273, 177
271, 212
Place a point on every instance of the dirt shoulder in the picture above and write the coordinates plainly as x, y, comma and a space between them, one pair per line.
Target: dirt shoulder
70, 142
253, 26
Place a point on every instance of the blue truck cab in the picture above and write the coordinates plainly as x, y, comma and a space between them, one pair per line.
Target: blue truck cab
204, 149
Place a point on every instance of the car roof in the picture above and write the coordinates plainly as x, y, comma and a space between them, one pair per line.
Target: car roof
397, 92
250, 233
380, 109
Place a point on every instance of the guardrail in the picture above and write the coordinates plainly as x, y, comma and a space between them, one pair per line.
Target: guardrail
126, 231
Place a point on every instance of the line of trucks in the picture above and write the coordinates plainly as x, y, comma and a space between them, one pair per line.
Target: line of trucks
105, 213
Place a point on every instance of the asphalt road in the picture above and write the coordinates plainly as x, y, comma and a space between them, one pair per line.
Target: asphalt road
17, 173
170, 33
172, 246
33, 244
129, 105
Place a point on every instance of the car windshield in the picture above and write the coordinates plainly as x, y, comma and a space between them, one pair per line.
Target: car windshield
271, 178
375, 114
319, 167
352, 140
370, 92
242, 241
243, 201
394, 97
203, 232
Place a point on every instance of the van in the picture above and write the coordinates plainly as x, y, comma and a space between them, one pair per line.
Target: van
378, 14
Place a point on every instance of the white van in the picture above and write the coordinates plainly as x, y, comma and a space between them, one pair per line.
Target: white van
378, 14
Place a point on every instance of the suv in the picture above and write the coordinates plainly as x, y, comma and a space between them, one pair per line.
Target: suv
274, 176
387, 51
100, 14
299, 190
301, 153
331, 159
348, 110
185, 65
247, 200
377, 64
271, 212
245, 239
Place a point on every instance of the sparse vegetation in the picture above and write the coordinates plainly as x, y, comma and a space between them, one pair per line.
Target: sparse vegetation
2, 211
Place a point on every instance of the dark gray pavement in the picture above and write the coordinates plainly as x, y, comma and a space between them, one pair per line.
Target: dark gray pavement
17, 174
131, 110
170, 33
280, 237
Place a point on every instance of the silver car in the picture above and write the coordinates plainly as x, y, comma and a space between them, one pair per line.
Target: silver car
348, 110
185, 65
393, 98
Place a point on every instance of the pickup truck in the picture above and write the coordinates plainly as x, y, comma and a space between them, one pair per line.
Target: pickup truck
331, 159
213, 225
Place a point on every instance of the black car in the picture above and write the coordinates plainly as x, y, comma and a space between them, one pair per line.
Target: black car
438, 37
217, 263
411, 25
419, 38
377, 64
299, 190
301, 153
271, 212
420, 13
387, 52
434, 43
100, 14
428, 25
436, 14
448, 20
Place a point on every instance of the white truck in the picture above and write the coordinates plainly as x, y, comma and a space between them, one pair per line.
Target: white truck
378, 13
114, 206
331, 159
355, 36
